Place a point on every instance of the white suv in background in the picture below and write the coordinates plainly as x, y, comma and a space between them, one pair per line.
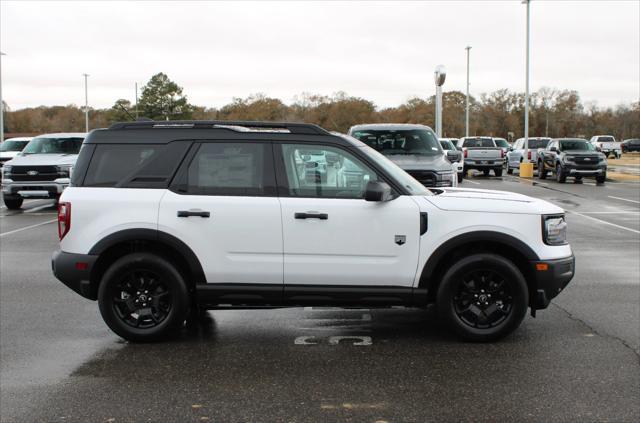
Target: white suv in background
167, 217
11, 147
607, 144
42, 169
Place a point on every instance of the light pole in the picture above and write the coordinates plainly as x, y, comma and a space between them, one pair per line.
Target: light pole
439, 75
466, 113
136, 101
1, 102
526, 168
86, 104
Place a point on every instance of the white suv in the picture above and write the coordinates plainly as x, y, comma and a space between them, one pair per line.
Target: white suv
42, 169
163, 218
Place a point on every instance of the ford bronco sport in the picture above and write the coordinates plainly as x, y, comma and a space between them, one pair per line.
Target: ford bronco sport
163, 218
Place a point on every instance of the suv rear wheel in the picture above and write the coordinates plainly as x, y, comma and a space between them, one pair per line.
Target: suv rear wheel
143, 297
483, 297
13, 203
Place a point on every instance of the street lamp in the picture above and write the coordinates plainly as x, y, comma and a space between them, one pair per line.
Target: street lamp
439, 75
86, 104
1, 102
466, 113
526, 168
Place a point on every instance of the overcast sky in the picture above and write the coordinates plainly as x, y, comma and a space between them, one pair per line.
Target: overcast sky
383, 51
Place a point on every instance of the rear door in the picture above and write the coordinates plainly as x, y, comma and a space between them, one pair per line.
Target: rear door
332, 236
223, 205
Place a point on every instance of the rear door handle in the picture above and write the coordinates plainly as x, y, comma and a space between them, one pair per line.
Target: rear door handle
321, 216
198, 213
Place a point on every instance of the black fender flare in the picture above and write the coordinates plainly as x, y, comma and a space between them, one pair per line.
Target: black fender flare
153, 236
470, 237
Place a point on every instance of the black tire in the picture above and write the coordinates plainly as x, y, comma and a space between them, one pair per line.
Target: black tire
455, 298
498, 171
486, 172
542, 172
122, 289
13, 203
509, 171
460, 177
560, 176
601, 179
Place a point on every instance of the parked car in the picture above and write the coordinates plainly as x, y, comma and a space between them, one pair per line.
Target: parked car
630, 145
607, 144
574, 157
516, 155
11, 147
481, 153
454, 155
415, 148
42, 169
167, 217
504, 144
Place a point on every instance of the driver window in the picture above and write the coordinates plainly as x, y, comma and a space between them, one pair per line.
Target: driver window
324, 172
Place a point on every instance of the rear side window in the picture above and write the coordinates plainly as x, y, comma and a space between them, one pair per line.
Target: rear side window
231, 169
478, 142
134, 165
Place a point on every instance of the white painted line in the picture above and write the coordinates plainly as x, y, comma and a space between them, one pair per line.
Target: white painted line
624, 199
304, 340
472, 182
605, 222
35, 209
362, 340
28, 227
613, 212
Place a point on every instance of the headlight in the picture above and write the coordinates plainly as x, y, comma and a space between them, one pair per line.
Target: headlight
445, 179
569, 158
602, 157
64, 170
554, 230
6, 169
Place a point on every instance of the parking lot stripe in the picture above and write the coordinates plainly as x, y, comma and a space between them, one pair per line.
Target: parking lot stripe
604, 222
473, 182
624, 199
28, 227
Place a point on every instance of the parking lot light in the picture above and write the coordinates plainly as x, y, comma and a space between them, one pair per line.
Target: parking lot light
86, 104
466, 113
526, 168
1, 102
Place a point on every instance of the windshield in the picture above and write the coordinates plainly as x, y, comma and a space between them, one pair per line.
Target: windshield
42, 145
421, 142
13, 145
533, 144
447, 145
606, 139
478, 142
403, 178
501, 142
584, 145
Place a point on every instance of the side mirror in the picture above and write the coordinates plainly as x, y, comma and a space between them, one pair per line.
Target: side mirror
459, 148
553, 149
510, 148
377, 191
453, 156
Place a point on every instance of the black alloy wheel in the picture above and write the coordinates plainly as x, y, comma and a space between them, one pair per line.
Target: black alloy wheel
141, 299
483, 298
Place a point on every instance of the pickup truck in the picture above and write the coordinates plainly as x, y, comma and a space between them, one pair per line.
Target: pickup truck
607, 144
482, 153
572, 157
516, 154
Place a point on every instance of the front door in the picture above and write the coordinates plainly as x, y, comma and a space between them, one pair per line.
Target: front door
332, 236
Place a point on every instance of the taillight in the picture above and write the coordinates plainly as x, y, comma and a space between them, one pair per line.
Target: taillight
64, 219
529, 155
464, 152
501, 153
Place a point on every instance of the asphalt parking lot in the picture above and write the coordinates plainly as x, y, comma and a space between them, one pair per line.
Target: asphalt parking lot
579, 360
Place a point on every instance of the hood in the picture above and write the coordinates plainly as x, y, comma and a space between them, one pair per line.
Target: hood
490, 201
8, 154
437, 162
43, 160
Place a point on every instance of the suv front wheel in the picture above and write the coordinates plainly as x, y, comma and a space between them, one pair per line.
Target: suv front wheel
143, 297
483, 297
13, 203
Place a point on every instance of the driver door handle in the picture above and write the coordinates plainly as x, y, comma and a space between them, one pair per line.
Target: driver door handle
198, 213
321, 216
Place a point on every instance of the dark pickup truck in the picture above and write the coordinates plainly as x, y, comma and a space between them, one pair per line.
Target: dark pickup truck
573, 157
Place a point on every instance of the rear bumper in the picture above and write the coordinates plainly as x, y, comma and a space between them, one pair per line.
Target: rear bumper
477, 164
550, 282
74, 270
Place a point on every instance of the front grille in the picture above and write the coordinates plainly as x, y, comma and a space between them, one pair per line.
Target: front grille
586, 160
425, 177
44, 173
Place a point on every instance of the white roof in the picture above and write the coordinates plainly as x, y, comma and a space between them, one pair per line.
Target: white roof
18, 139
63, 135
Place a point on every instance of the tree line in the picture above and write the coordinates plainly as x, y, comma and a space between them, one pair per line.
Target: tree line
552, 112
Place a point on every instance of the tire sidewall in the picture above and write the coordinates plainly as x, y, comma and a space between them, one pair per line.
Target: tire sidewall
170, 276
449, 285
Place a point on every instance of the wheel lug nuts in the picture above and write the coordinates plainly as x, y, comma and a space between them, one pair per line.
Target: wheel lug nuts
475, 295
146, 292
137, 292
144, 304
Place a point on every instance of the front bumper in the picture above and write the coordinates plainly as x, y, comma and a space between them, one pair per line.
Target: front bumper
74, 270
577, 170
33, 189
550, 282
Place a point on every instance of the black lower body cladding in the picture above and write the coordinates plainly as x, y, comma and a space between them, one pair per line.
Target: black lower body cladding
74, 270
551, 277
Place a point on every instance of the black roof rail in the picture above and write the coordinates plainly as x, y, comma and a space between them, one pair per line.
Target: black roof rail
293, 128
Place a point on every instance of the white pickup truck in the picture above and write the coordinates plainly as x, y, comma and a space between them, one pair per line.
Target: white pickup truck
482, 153
607, 144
